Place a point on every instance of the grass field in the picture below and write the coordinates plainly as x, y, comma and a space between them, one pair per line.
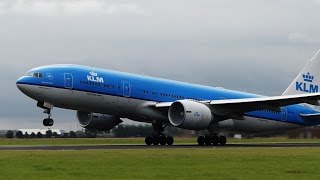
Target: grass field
87, 141
230, 163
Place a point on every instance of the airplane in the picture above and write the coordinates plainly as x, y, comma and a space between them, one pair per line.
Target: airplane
102, 98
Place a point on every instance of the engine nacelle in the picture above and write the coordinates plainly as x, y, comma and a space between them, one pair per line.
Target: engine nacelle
190, 115
94, 121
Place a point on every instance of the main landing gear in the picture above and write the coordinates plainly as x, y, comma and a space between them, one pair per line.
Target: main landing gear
211, 139
47, 110
159, 137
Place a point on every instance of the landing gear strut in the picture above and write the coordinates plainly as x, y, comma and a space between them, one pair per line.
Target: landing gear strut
159, 137
47, 110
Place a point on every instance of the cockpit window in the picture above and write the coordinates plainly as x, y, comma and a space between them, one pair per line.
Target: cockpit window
34, 74
29, 74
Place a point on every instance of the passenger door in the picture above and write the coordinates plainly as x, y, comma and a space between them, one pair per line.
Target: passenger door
68, 80
126, 89
284, 114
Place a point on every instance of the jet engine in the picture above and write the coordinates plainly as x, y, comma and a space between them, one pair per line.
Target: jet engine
95, 121
190, 115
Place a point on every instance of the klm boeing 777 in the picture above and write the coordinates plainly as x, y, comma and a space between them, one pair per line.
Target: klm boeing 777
103, 97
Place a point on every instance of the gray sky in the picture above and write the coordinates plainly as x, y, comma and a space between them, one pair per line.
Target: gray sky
249, 45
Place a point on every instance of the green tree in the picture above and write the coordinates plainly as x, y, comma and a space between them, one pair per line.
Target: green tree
9, 134
33, 135
26, 135
55, 134
39, 135
72, 134
48, 134
19, 134
132, 131
91, 133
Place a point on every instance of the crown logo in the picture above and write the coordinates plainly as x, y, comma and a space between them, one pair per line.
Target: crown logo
93, 73
308, 77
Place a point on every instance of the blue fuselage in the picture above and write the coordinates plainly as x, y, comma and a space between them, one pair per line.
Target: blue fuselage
106, 82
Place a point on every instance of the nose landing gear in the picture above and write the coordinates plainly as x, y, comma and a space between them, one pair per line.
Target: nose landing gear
48, 121
47, 110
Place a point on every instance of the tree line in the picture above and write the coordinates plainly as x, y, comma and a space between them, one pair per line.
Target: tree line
48, 134
119, 131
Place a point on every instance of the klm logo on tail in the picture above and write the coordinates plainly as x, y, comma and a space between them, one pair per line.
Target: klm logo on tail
306, 85
94, 77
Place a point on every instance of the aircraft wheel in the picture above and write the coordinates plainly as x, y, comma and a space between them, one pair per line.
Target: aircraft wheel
48, 122
222, 140
148, 140
45, 122
163, 140
156, 140
201, 141
207, 140
170, 140
215, 140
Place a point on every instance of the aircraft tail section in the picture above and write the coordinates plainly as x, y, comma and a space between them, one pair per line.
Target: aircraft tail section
308, 80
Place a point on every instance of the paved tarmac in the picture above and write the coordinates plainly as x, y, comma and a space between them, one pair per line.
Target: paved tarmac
179, 146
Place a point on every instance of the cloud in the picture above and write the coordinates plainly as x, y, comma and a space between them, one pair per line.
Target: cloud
298, 37
2, 8
70, 8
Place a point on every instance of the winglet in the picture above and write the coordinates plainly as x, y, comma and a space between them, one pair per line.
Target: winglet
308, 80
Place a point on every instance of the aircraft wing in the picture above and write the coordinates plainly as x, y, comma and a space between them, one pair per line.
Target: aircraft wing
272, 103
240, 106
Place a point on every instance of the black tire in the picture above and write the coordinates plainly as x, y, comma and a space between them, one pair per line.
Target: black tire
201, 141
163, 140
215, 140
156, 140
170, 140
148, 140
222, 140
50, 122
45, 122
208, 140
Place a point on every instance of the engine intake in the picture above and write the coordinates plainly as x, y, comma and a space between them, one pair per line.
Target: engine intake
190, 115
95, 121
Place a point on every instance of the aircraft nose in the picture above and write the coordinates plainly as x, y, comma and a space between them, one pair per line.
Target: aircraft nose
20, 83
19, 80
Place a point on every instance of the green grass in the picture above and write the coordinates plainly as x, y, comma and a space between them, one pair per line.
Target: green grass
68, 141
229, 163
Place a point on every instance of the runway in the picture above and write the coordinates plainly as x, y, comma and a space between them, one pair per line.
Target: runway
179, 146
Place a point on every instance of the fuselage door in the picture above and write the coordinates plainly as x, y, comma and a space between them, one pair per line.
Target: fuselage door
284, 114
68, 80
126, 89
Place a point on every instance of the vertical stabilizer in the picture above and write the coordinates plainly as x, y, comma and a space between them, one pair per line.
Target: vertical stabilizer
308, 80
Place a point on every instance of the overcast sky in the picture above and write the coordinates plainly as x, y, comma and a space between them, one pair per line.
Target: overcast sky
248, 45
